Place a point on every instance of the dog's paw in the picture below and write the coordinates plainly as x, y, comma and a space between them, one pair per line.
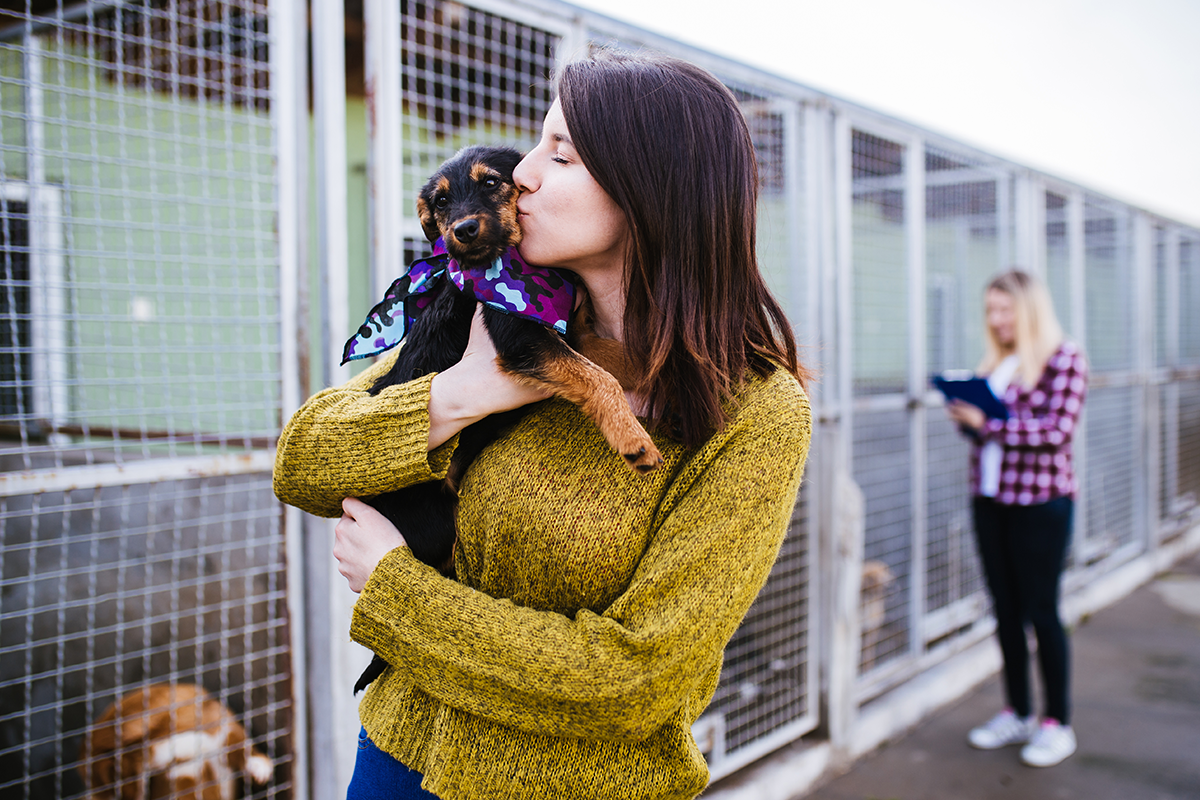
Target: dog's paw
645, 458
259, 768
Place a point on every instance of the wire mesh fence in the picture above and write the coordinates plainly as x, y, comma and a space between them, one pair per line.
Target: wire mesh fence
882, 455
121, 588
469, 76
1187, 475
1111, 481
152, 161
880, 248
140, 543
967, 240
767, 686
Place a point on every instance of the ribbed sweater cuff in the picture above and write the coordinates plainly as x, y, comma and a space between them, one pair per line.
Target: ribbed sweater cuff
392, 588
346, 443
401, 443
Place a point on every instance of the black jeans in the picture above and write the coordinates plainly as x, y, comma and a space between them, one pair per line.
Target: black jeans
1022, 549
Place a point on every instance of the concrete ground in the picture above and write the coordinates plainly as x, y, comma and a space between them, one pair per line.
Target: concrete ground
1136, 693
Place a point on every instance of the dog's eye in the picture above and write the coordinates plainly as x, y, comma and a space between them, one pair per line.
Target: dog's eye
491, 183
441, 201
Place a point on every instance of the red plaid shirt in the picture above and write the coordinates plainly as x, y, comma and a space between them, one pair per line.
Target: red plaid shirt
1037, 465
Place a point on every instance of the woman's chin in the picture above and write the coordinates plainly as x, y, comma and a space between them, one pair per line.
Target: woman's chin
529, 255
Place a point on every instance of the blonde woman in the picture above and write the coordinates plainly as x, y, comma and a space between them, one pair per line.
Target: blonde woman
1023, 483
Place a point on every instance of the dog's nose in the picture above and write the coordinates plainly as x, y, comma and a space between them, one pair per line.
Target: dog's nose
467, 230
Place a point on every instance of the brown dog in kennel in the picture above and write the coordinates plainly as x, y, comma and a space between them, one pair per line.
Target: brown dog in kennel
169, 740
877, 583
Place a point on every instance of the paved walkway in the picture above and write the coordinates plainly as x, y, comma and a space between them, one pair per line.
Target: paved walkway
1136, 698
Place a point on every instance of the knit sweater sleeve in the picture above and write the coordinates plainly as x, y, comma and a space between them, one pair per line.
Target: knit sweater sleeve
1057, 403
620, 674
345, 442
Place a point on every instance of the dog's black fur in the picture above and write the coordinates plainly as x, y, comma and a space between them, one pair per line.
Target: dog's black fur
470, 202
475, 234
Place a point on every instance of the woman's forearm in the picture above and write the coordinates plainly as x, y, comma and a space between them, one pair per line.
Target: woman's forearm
450, 406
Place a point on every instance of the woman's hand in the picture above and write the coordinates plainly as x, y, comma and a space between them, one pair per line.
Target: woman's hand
362, 538
966, 414
474, 388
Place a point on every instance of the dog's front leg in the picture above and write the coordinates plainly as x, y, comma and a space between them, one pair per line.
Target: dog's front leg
539, 357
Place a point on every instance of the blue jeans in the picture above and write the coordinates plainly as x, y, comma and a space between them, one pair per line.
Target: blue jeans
378, 776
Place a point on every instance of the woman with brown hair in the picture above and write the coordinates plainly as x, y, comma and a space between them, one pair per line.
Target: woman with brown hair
1023, 482
585, 630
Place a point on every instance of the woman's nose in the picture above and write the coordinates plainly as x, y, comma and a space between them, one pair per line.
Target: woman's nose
523, 176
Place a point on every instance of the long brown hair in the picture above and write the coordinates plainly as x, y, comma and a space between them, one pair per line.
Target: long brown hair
668, 142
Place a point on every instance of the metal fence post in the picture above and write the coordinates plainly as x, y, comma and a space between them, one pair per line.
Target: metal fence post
1076, 259
847, 517
1146, 411
334, 660
1024, 230
381, 30
1169, 359
289, 112
914, 224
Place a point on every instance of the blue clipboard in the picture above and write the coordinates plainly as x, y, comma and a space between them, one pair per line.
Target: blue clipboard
973, 390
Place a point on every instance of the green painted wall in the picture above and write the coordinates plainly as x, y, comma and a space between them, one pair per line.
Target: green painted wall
169, 248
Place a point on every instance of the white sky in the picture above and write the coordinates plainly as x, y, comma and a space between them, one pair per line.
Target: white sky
1102, 92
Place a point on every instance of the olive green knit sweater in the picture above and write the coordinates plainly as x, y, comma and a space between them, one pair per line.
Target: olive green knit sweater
587, 631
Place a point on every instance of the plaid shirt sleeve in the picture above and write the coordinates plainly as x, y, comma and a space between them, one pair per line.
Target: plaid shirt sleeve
1048, 414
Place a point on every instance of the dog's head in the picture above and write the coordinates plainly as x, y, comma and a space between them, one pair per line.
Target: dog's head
471, 202
876, 576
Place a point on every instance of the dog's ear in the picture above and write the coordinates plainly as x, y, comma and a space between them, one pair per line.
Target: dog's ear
428, 223
99, 774
97, 762
132, 777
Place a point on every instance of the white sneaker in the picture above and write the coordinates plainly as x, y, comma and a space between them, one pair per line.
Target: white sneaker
1003, 729
1050, 745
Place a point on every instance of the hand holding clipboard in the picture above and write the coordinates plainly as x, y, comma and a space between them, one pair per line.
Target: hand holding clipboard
967, 387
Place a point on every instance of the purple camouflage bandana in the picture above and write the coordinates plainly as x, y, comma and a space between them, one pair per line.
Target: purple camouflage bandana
508, 284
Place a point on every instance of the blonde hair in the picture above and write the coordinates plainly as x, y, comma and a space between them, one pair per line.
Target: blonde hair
1037, 332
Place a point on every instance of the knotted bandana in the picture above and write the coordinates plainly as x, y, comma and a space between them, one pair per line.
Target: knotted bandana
508, 284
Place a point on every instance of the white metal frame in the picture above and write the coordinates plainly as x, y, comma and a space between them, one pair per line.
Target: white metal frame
332, 670
47, 284
288, 32
1146, 417
1170, 360
48, 330
384, 56
914, 235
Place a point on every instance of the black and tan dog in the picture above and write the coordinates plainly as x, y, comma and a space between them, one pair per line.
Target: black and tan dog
470, 203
